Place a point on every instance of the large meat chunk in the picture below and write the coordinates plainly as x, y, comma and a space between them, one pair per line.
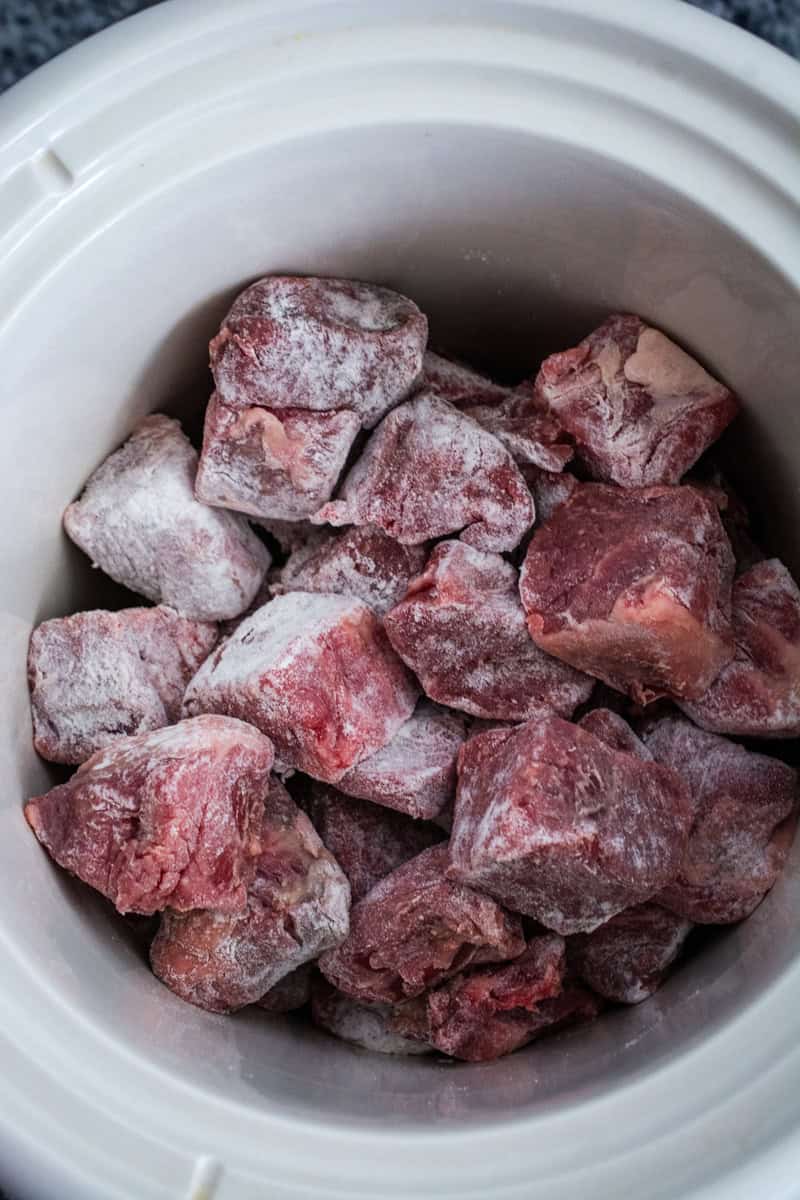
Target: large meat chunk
628, 958
139, 521
97, 676
365, 1025
641, 410
745, 810
171, 817
427, 471
298, 905
361, 562
633, 587
415, 929
459, 384
314, 672
319, 344
275, 464
758, 693
461, 629
557, 824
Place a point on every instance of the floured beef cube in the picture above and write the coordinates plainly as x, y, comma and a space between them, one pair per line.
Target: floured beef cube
628, 958
291, 535
615, 731
97, 676
427, 471
530, 434
366, 1025
549, 490
633, 586
319, 344
361, 562
297, 906
487, 1012
139, 521
461, 629
314, 672
368, 841
291, 992
758, 693
744, 822
641, 410
459, 384
171, 817
415, 772
415, 929
558, 825
280, 464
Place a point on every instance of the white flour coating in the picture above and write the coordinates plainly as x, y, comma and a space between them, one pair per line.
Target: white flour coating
529, 435
549, 490
459, 384
139, 521
363, 1025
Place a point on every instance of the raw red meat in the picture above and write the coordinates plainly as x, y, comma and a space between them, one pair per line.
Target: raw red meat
415, 929
314, 672
428, 470
362, 1024
319, 344
291, 992
633, 587
615, 731
461, 629
415, 772
558, 825
549, 490
98, 675
361, 562
529, 434
367, 840
745, 811
298, 905
628, 958
139, 521
171, 817
758, 694
291, 535
279, 464
459, 384
641, 410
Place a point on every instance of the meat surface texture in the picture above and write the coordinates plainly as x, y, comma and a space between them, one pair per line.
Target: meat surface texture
461, 628
319, 344
745, 812
138, 520
641, 410
529, 434
276, 464
615, 731
298, 905
97, 676
550, 489
414, 930
628, 958
291, 992
314, 672
428, 471
169, 818
460, 385
558, 825
633, 586
365, 1025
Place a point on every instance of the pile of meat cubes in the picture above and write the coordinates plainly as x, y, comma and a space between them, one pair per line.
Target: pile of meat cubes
440, 717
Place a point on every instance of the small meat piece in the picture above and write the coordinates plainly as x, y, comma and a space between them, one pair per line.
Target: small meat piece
298, 905
428, 471
368, 841
171, 817
291, 992
415, 772
758, 694
628, 958
487, 1012
556, 824
278, 465
529, 434
97, 676
641, 410
364, 1025
744, 822
633, 587
139, 521
459, 384
549, 490
615, 731
314, 672
461, 629
319, 344
361, 562
291, 535
415, 929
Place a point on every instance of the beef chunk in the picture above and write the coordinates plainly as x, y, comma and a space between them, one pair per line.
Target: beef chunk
291, 992
628, 958
97, 676
641, 410
549, 490
560, 826
139, 521
165, 818
633, 587
459, 384
314, 672
615, 731
529, 434
366, 1025
415, 929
